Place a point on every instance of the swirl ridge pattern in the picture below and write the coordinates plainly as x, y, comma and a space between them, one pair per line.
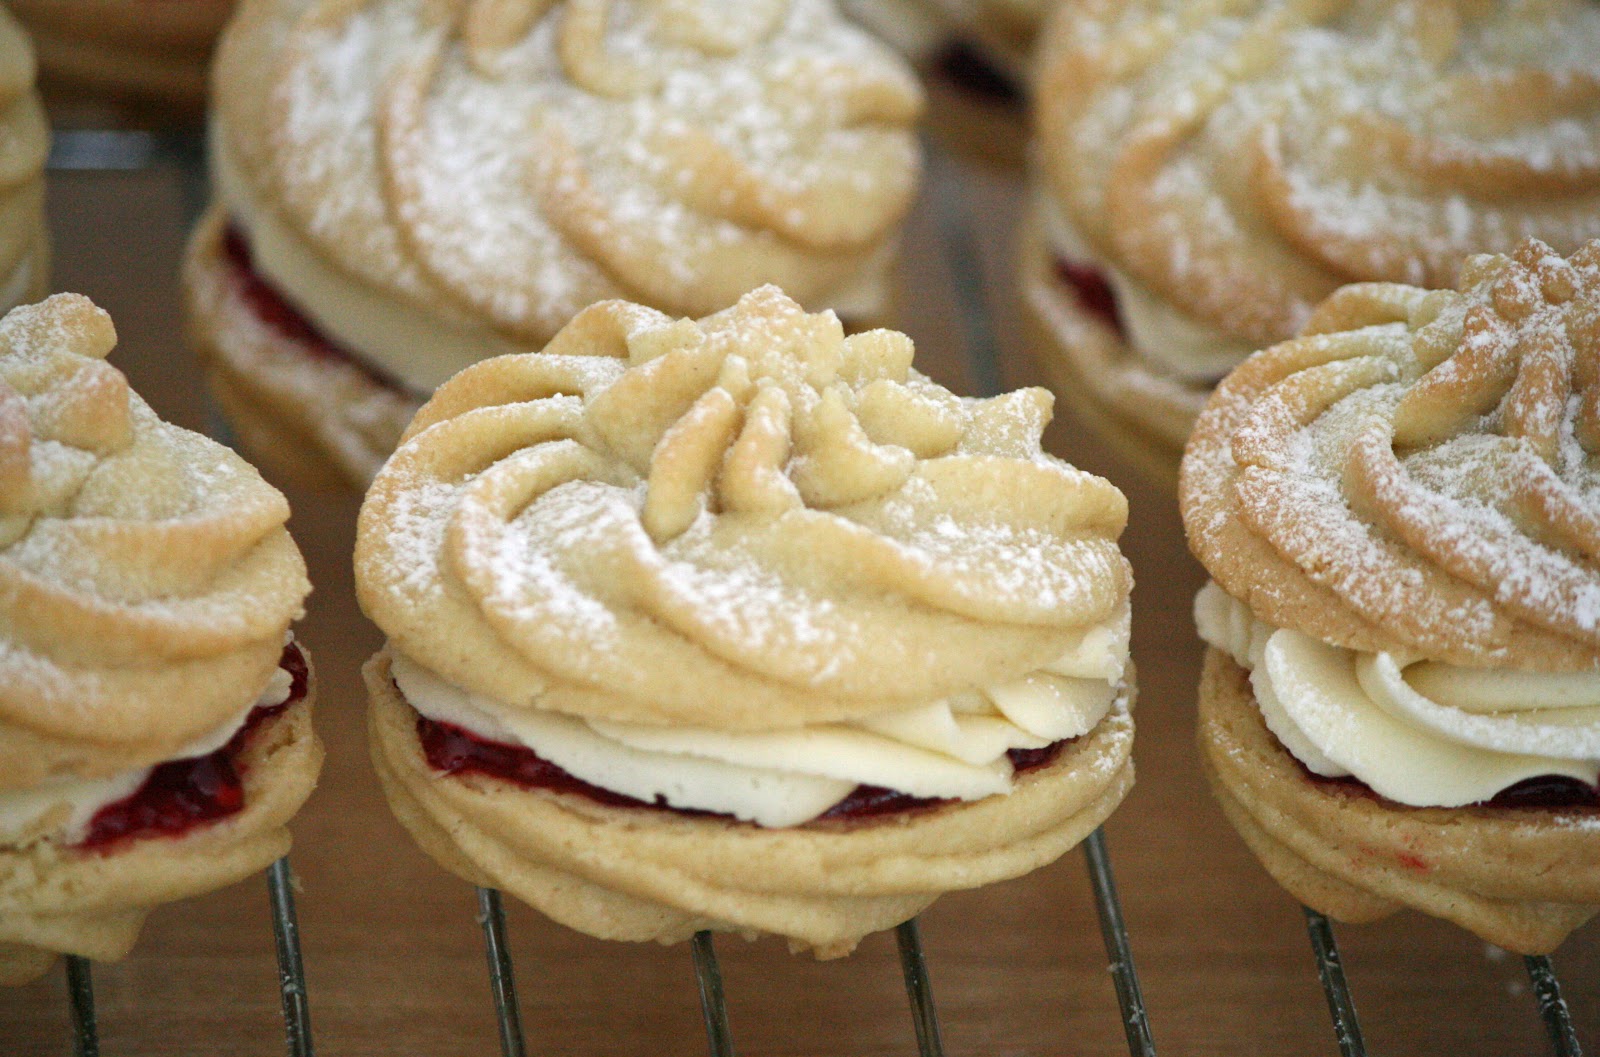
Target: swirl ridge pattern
1291, 147
513, 162
147, 577
1223, 168
758, 560
748, 522
1415, 473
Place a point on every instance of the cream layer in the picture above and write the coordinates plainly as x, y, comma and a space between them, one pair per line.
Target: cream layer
1156, 331
1415, 731
954, 748
420, 347
61, 809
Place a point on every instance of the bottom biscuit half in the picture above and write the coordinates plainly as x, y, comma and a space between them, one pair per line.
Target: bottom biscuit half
92, 902
1520, 878
645, 874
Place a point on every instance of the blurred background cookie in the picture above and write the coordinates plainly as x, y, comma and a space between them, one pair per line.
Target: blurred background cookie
403, 190
1204, 179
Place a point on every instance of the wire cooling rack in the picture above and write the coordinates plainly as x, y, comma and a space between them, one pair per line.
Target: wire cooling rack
291, 976
1347, 1027
913, 964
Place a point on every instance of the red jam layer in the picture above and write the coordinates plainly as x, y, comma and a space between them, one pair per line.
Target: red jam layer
452, 750
1093, 291
271, 308
1555, 792
180, 795
969, 70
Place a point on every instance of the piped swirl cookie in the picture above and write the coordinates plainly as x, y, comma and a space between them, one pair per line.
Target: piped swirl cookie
1399, 513
404, 188
24, 246
741, 624
155, 728
1207, 174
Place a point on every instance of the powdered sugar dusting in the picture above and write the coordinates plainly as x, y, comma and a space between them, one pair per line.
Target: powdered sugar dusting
764, 542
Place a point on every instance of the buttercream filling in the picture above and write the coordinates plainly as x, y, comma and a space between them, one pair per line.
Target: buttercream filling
1156, 331
272, 309
419, 348
955, 749
407, 347
201, 783
1417, 732
452, 750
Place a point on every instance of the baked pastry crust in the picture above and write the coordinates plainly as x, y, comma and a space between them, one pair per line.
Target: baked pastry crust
154, 56
149, 584
1238, 167
747, 525
636, 874
430, 185
24, 246
868, 467
1522, 878
151, 578
1412, 476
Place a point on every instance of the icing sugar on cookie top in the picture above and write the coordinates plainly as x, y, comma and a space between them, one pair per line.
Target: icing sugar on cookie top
749, 522
1424, 461
148, 576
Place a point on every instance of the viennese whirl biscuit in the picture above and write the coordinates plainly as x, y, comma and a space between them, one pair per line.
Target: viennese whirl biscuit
741, 624
1206, 174
155, 715
1401, 706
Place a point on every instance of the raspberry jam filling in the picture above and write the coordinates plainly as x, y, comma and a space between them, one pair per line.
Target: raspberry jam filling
269, 306
1550, 791
452, 750
180, 795
1093, 292
965, 67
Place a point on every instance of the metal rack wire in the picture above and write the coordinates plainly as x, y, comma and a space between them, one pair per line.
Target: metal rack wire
1347, 1027
291, 977
913, 964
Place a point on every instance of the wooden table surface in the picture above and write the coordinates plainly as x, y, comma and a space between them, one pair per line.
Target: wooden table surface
394, 955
